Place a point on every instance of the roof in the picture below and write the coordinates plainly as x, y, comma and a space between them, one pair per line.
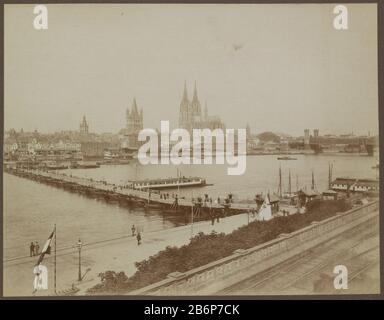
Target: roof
367, 183
310, 193
368, 180
344, 181
357, 182
329, 191
273, 198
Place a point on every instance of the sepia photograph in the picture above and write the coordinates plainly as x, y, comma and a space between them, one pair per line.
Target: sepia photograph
170, 150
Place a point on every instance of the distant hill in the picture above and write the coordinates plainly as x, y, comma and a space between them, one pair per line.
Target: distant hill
268, 136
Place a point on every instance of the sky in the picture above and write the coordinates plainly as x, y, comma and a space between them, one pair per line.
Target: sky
279, 68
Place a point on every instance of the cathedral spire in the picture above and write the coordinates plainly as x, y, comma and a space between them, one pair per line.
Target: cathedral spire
134, 106
195, 98
195, 104
185, 93
84, 125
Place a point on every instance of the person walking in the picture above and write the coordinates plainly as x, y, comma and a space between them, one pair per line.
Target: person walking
133, 229
138, 237
31, 249
37, 248
212, 218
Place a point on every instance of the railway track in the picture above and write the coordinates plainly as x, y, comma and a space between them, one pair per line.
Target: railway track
350, 248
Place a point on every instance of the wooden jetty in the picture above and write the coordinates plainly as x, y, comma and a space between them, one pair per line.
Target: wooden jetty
126, 195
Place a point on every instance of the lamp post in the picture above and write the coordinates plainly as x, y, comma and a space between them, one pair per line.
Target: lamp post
193, 204
79, 245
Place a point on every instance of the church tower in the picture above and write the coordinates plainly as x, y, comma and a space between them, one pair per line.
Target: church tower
134, 125
84, 126
134, 119
195, 106
184, 114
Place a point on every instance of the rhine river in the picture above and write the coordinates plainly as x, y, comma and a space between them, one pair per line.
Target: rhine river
31, 209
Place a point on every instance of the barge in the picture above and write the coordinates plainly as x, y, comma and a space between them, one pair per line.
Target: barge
55, 166
84, 165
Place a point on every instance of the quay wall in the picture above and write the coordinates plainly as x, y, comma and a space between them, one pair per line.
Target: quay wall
242, 264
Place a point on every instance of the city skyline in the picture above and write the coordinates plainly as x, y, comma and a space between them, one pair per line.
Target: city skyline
277, 62
78, 129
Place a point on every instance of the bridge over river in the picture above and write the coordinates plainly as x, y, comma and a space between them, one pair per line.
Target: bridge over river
122, 193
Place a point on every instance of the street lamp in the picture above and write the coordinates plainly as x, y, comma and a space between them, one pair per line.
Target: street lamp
193, 204
79, 245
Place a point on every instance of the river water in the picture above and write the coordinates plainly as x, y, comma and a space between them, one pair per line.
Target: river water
31, 209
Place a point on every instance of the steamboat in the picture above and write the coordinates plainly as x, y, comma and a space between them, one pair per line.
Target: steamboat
168, 183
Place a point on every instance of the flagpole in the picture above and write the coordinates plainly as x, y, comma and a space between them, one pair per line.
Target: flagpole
54, 276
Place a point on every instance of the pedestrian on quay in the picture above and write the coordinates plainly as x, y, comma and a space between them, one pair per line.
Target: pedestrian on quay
212, 218
138, 238
37, 248
133, 229
31, 249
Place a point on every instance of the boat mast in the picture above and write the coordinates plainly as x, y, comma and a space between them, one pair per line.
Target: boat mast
193, 204
280, 189
313, 181
289, 183
178, 183
297, 183
329, 175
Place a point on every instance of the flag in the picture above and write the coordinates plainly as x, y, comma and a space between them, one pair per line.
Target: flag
46, 248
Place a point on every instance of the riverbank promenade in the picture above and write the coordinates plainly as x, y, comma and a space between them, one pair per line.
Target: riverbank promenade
118, 254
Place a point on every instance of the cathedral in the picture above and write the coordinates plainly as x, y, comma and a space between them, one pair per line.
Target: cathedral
191, 116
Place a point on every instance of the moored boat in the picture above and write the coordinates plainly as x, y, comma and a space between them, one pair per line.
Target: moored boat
84, 165
55, 166
169, 183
